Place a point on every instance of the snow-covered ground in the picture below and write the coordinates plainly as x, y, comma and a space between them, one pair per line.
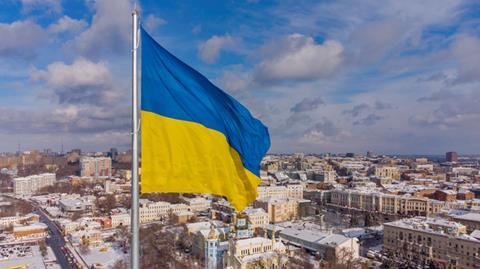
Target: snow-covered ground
104, 255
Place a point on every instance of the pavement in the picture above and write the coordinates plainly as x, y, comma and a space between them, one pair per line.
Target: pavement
57, 242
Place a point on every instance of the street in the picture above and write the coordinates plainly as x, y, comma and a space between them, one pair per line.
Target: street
57, 243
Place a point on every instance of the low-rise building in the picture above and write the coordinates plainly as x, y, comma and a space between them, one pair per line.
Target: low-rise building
153, 211
34, 231
9, 221
279, 210
329, 247
280, 192
198, 204
257, 217
121, 219
75, 204
245, 253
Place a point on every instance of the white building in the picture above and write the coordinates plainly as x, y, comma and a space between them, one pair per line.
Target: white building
122, 219
153, 211
280, 192
257, 217
244, 253
31, 184
198, 204
7, 221
177, 208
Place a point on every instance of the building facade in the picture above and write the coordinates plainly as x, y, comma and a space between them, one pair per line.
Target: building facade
96, 167
385, 203
31, 184
427, 240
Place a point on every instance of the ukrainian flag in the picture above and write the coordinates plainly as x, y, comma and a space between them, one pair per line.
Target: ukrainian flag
195, 137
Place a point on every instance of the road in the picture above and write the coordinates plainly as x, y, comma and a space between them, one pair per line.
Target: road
56, 242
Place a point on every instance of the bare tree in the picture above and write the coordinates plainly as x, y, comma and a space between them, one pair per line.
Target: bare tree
120, 264
106, 203
345, 259
43, 248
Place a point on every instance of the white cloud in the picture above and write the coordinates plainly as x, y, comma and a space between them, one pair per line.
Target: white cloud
66, 24
21, 38
110, 30
210, 49
298, 57
466, 52
152, 22
82, 81
234, 79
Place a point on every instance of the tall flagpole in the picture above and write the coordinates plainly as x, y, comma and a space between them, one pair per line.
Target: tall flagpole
135, 242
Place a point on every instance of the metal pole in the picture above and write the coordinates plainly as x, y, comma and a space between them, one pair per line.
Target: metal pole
135, 244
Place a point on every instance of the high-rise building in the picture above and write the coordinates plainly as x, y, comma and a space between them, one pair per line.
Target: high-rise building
96, 167
451, 156
113, 153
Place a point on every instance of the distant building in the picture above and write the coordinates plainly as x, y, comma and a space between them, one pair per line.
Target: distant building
198, 204
214, 249
153, 211
70, 205
11, 220
33, 231
387, 171
113, 153
245, 253
427, 240
122, 219
279, 210
257, 217
280, 192
96, 167
470, 220
31, 184
329, 247
385, 203
451, 156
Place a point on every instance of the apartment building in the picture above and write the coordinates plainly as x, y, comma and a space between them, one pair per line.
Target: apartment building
280, 192
96, 167
471, 220
438, 241
371, 200
152, 211
198, 204
257, 217
31, 184
387, 171
279, 210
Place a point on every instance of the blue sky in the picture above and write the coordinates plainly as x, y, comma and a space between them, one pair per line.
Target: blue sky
324, 76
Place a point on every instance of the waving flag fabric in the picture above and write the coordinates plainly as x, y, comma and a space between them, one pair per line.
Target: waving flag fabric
195, 137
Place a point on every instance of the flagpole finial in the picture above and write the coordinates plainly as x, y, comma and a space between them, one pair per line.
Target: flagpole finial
135, 9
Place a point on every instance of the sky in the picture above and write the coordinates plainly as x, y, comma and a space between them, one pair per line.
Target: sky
391, 77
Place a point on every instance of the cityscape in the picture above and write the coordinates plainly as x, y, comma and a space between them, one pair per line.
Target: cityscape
239, 134
312, 211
